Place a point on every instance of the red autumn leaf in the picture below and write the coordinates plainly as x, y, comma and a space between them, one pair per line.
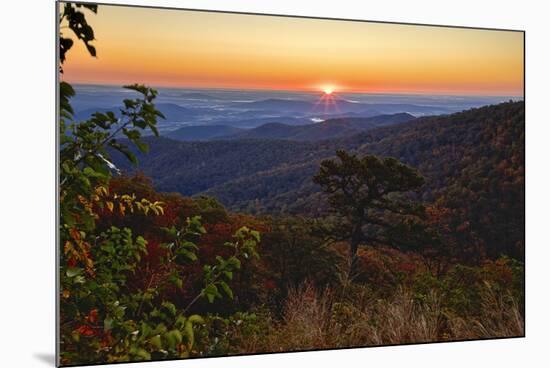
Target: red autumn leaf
92, 317
71, 262
85, 330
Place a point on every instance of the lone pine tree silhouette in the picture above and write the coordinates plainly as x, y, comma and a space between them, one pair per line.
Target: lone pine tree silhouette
362, 191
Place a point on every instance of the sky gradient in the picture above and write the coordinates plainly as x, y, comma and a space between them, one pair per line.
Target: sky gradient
174, 48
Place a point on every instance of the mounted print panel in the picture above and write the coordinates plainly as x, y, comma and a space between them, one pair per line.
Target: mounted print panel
233, 184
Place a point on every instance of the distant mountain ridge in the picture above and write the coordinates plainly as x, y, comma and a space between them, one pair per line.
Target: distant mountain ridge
328, 129
337, 105
196, 96
171, 111
203, 132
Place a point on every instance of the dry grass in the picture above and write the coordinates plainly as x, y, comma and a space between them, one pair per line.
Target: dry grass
500, 317
320, 320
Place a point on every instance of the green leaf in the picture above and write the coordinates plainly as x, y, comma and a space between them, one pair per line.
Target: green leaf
210, 297
88, 171
226, 289
234, 261
188, 244
74, 271
187, 254
76, 336
142, 146
173, 338
180, 322
195, 318
144, 354
211, 292
190, 334
129, 154
108, 324
156, 342
160, 329
170, 307
255, 234
175, 279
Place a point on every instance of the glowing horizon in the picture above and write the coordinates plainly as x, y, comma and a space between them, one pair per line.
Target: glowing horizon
194, 49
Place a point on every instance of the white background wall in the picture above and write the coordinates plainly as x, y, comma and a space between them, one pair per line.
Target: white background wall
27, 181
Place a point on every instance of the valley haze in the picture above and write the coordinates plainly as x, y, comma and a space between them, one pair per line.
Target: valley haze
204, 114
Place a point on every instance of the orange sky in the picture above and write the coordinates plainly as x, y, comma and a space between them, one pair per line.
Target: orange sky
215, 50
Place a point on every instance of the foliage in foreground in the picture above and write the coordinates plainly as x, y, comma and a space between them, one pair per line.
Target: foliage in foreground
356, 315
296, 296
104, 316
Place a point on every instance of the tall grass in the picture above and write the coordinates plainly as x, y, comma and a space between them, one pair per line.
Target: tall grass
351, 316
500, 316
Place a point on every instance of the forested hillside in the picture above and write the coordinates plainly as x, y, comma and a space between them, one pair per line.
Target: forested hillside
476, 155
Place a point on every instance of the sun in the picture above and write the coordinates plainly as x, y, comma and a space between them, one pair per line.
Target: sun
328, 90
